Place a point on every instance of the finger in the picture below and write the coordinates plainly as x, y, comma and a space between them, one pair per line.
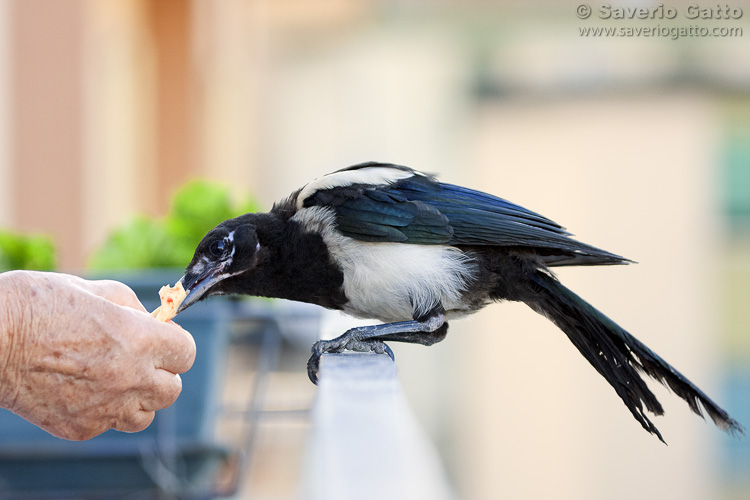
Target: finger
74, 430
116, 292
166, 388
167, 345
134, 422
174, 348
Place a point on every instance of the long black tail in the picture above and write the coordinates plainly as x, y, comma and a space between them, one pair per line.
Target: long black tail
618, 356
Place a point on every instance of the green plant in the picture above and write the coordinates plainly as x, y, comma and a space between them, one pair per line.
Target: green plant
145, 242
19, 251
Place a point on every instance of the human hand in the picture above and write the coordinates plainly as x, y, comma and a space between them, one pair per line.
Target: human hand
79, 357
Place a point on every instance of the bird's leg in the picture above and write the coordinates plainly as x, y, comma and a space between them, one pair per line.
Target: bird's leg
426, 331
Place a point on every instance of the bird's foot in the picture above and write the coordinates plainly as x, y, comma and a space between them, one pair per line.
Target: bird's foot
346, 342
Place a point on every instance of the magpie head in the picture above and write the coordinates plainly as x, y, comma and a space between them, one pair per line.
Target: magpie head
222, 256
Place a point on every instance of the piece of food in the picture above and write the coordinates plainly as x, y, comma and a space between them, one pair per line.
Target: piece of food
171, 298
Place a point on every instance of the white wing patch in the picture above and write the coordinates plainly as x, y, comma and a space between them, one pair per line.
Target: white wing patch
375, 176
393, 281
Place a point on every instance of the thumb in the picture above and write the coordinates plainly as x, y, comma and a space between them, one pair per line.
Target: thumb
116, 292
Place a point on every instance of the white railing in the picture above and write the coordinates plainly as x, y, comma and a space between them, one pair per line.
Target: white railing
365, 443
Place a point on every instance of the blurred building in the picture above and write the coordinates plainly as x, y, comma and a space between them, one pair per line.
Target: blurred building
639, 145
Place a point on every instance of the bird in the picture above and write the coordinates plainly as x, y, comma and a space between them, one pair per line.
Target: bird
386, 242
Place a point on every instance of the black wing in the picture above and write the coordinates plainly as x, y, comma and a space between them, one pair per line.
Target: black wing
415, 208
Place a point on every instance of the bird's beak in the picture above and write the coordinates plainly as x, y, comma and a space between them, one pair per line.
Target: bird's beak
197, 284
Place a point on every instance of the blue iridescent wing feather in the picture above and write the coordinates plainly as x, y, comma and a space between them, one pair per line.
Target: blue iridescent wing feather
420, 210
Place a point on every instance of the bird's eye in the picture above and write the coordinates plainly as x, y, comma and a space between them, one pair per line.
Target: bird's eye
217, 248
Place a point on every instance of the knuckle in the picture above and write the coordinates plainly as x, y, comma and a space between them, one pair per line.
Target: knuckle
88, 434
117, 292
129, 293
187, 350
180, 357
84, 432
170, 391
140, 343
117, 286
118, 379
135, 421
143, 420
188, 359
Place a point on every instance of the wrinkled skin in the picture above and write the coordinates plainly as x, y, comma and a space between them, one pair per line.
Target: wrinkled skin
79, 357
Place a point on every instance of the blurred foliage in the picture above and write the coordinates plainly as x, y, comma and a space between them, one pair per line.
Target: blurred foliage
19, 251
144, 242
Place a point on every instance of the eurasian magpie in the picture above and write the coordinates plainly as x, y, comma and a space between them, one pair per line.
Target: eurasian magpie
387, 242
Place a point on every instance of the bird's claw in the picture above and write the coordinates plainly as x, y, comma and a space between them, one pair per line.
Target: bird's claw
341, 344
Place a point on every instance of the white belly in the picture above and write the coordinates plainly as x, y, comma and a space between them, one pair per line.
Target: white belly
393, 281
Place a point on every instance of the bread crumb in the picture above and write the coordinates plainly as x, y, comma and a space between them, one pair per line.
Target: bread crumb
171, 298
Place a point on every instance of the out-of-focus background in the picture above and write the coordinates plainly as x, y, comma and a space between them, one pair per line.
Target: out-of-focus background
638, 144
